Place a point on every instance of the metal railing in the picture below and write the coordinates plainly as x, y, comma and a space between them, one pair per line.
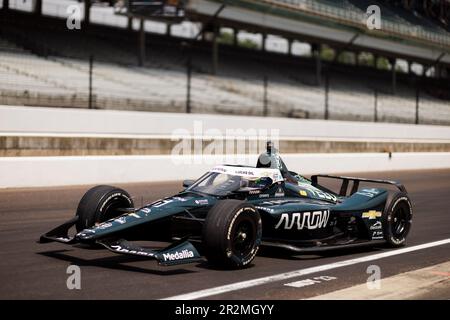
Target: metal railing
354, 16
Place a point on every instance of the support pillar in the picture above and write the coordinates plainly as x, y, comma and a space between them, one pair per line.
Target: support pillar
141, 43
409, 67
337, 53
316, 53
130, 23
37, 10
215, 50
375, 60
5, 5
235, 37
264, 40
87, 12
290, 43
394, 74
437, 71
424, 70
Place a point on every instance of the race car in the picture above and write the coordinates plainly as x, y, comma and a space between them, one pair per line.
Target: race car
231, 211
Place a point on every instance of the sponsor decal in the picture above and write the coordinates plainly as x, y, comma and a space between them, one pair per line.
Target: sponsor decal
277, 177
178, 255
119, 248
202, 201
161, 203
372, 192
317, 192
274, 174
304, 220
146, 210
303, 193
376, 226
121, 220
254, 192
372, 214
377, 235
134, 215
180, 199
265, 195
265, 209
86, 232
64, 239
219, 169
245, 172
279, 193
275, 202
103, 226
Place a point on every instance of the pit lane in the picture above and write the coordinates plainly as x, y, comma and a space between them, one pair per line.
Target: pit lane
32, 271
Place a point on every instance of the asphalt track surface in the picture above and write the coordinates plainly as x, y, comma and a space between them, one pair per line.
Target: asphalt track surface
38, 271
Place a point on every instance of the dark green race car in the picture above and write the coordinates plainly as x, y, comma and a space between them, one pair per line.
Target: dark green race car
229, 212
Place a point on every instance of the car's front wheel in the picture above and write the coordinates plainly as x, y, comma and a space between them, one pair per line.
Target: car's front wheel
232, 234
100, 204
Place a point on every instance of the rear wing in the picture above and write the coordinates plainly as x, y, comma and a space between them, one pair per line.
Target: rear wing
355, 183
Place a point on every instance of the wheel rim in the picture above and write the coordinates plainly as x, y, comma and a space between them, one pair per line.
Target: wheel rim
243, 239
401, 219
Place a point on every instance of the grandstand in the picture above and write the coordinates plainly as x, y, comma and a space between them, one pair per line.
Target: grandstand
44, 64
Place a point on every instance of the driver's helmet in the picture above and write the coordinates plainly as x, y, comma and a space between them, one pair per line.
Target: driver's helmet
271, 159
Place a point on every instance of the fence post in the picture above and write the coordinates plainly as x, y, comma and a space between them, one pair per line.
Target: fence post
91, 66
417, 104
375, 92
327, 89
142, 48
5, 5
265, 99
188, 85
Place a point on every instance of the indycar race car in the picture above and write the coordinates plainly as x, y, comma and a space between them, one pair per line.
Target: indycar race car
229, 212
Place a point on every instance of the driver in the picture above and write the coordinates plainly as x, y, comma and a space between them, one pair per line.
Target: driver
271, 159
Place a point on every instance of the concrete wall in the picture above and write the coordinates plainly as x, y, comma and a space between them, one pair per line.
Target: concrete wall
39, 146
59, 171
69, 122
73, 170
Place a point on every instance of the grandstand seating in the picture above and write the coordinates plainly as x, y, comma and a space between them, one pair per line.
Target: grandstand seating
26, 78
60, 78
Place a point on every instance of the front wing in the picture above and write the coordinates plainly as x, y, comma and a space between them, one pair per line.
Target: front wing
179, 252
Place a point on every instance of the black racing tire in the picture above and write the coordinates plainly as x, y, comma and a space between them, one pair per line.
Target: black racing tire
100, 204
232, 234
397, 218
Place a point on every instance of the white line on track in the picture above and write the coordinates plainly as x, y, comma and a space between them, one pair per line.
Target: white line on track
301, 272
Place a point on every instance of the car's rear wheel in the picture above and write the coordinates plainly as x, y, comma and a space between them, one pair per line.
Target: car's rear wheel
397, 217
232, 234
100, 204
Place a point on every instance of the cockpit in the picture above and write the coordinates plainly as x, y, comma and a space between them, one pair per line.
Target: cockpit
223, 180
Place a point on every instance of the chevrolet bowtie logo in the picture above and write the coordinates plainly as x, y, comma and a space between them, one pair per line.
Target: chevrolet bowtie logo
372, 214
